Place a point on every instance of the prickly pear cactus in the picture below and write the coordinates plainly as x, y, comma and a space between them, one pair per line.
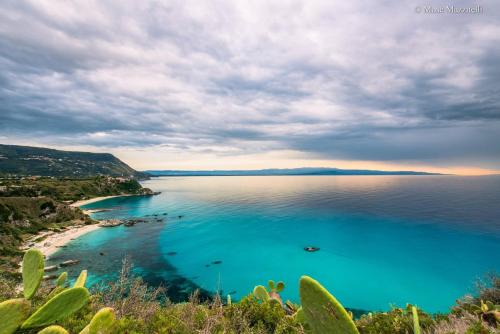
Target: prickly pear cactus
101, 323
53, 330
33, 268
299, 316
61, 279
280, 286
12, 314
80, 281
85, 330
416, 322
275, 287
57, 290
59, 307
261, 293
322, 312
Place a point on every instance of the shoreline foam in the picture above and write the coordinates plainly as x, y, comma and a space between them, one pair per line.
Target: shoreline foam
54, 241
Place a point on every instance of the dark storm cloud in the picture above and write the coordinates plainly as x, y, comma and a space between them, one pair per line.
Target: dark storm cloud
330, 79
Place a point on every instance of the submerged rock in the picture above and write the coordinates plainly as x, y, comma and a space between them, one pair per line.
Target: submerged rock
172, 253
311, 249
217, 262
69, 263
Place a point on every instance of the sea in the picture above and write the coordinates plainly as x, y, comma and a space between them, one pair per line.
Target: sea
381, 241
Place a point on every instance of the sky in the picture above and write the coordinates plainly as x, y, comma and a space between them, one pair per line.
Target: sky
255, 84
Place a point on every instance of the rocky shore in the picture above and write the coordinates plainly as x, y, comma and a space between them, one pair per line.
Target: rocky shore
48, 242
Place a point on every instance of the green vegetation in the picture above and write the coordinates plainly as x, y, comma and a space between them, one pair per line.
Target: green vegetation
323, 313
128, 306
22, 217
15, 313
416, 321
16, 161
70, 189
31, 205
33, 268
61, 280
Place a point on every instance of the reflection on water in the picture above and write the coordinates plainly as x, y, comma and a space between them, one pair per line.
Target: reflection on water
382, 239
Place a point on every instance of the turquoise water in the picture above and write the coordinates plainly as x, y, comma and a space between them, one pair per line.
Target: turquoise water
383, 239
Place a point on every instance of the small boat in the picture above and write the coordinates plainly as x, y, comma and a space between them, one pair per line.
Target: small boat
311, 249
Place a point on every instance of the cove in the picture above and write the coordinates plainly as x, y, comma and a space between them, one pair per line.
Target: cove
384, 240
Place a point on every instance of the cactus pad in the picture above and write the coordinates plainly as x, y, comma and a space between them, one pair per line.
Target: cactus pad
85, 330
416, 322
280, 286
102, 322
299, 316
53, 330
80, 281
261, 293
59, 307
323, 313
33, 268
12, 314
62, 279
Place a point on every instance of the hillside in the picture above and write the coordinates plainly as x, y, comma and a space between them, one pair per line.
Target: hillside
25, 161
25, 216
31, 205
71, 189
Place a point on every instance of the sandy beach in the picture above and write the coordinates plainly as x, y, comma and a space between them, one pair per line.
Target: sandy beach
54, 241
95, 199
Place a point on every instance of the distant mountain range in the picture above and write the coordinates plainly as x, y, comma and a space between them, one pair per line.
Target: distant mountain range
37, 161
28, 161
292, 171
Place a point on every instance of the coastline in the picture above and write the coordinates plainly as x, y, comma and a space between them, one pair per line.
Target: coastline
97, 199
54, 241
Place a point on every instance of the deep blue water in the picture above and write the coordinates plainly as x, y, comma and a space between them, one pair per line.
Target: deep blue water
384, 239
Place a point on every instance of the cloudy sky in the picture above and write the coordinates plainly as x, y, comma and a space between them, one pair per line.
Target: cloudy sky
255, 84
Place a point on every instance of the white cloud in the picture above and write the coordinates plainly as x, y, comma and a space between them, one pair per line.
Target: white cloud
249, 77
